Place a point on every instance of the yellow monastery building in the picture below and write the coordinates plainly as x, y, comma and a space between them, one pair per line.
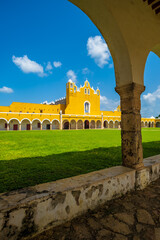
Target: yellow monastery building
79, 110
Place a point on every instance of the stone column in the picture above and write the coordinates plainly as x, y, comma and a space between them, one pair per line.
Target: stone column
50, 126
7, 126
132, 151
60, 120
113, 124
20, 127
102, 122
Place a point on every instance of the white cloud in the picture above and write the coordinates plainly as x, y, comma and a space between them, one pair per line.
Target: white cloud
71, 75
152, 97
108, 104
49, 66
98, 50
6, 90
85, 71
28, 66
57, 64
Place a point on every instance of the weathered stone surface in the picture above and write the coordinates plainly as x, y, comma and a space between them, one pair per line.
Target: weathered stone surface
157, 233
1, 221
104, 235
116, 226
17, 217
81, 231
120, 237
144, 217
94, 224
125, 217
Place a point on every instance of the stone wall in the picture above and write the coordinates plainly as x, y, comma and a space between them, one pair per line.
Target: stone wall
29, 211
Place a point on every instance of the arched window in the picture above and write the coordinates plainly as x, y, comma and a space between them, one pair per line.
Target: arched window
85, 91
88, 91
74, 89
71, 85
86, 107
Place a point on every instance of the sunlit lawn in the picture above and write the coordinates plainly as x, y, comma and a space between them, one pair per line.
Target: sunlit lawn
32, 157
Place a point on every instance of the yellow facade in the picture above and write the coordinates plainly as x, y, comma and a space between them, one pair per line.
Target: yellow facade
79, 110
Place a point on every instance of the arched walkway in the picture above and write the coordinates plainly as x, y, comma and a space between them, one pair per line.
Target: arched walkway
98, 124
55, 125
111, 124
14, 124
158, 124
92, 124
105, 124
86, 124
73, 124
152, 125
116, 124
149, 124
25, 124
65, 124
80, 124
46, 125
3, 124
146, 124
36, 124
142, 124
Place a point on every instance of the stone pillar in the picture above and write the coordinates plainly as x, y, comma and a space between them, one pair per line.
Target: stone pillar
7, 126
102, 122
113, 124
60, 119
76, 125
31, 126
41, 126
132, 151
50, 126
20, 127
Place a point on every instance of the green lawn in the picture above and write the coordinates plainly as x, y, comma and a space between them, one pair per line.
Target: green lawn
32, 157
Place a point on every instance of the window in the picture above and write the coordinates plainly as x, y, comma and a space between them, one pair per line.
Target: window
87, 84
41, 111
88, 91
74, 89
71, 85
86, 107
85, 91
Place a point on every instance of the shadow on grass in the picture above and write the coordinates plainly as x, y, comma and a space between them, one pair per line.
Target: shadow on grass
23, 172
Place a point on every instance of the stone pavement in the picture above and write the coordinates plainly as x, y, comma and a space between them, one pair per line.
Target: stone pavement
135, 216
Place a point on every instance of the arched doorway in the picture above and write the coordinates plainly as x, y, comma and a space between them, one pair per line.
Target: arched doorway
92, 124
149, 124
14, 124
55, 125
3, 124
46, 124
65, 124
36, 124
86, 124
98, 124
73, 124
25, 124
105, 124
158, 124
80, 124
111, 124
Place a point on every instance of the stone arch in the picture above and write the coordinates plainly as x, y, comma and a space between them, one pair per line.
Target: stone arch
146, 124
73, 124
92, 124
14, 124
86, 124
152, 125
65, 124
116, 124
111, 124
46, 124
105, 124
98, 124
3, 124
25, 124
55, 124
79, 124
36, 124
149, 124
142, 124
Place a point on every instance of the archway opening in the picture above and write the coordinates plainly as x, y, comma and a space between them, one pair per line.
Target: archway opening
80, 124
65, 124
86, 124
25, 124
92, 124
73, 124
116, 124
46, 125
158, 124
105, 124
55, 125
98, 124
36, 124
111, 124
3, 124
14, 125
142, 125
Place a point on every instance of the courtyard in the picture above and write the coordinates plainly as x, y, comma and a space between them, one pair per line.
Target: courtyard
28, 158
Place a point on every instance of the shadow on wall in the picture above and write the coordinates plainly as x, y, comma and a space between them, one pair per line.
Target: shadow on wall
23, 172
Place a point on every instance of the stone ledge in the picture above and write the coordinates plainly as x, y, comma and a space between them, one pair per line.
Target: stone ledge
27, 212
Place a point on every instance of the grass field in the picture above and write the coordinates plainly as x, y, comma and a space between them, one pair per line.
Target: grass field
32, 157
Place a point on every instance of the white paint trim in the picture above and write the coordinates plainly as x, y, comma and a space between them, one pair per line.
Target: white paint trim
46, 120
26, 119
14, 119
36, 119
55, 120
4, 120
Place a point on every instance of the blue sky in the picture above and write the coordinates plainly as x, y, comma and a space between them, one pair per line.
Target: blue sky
46, 42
